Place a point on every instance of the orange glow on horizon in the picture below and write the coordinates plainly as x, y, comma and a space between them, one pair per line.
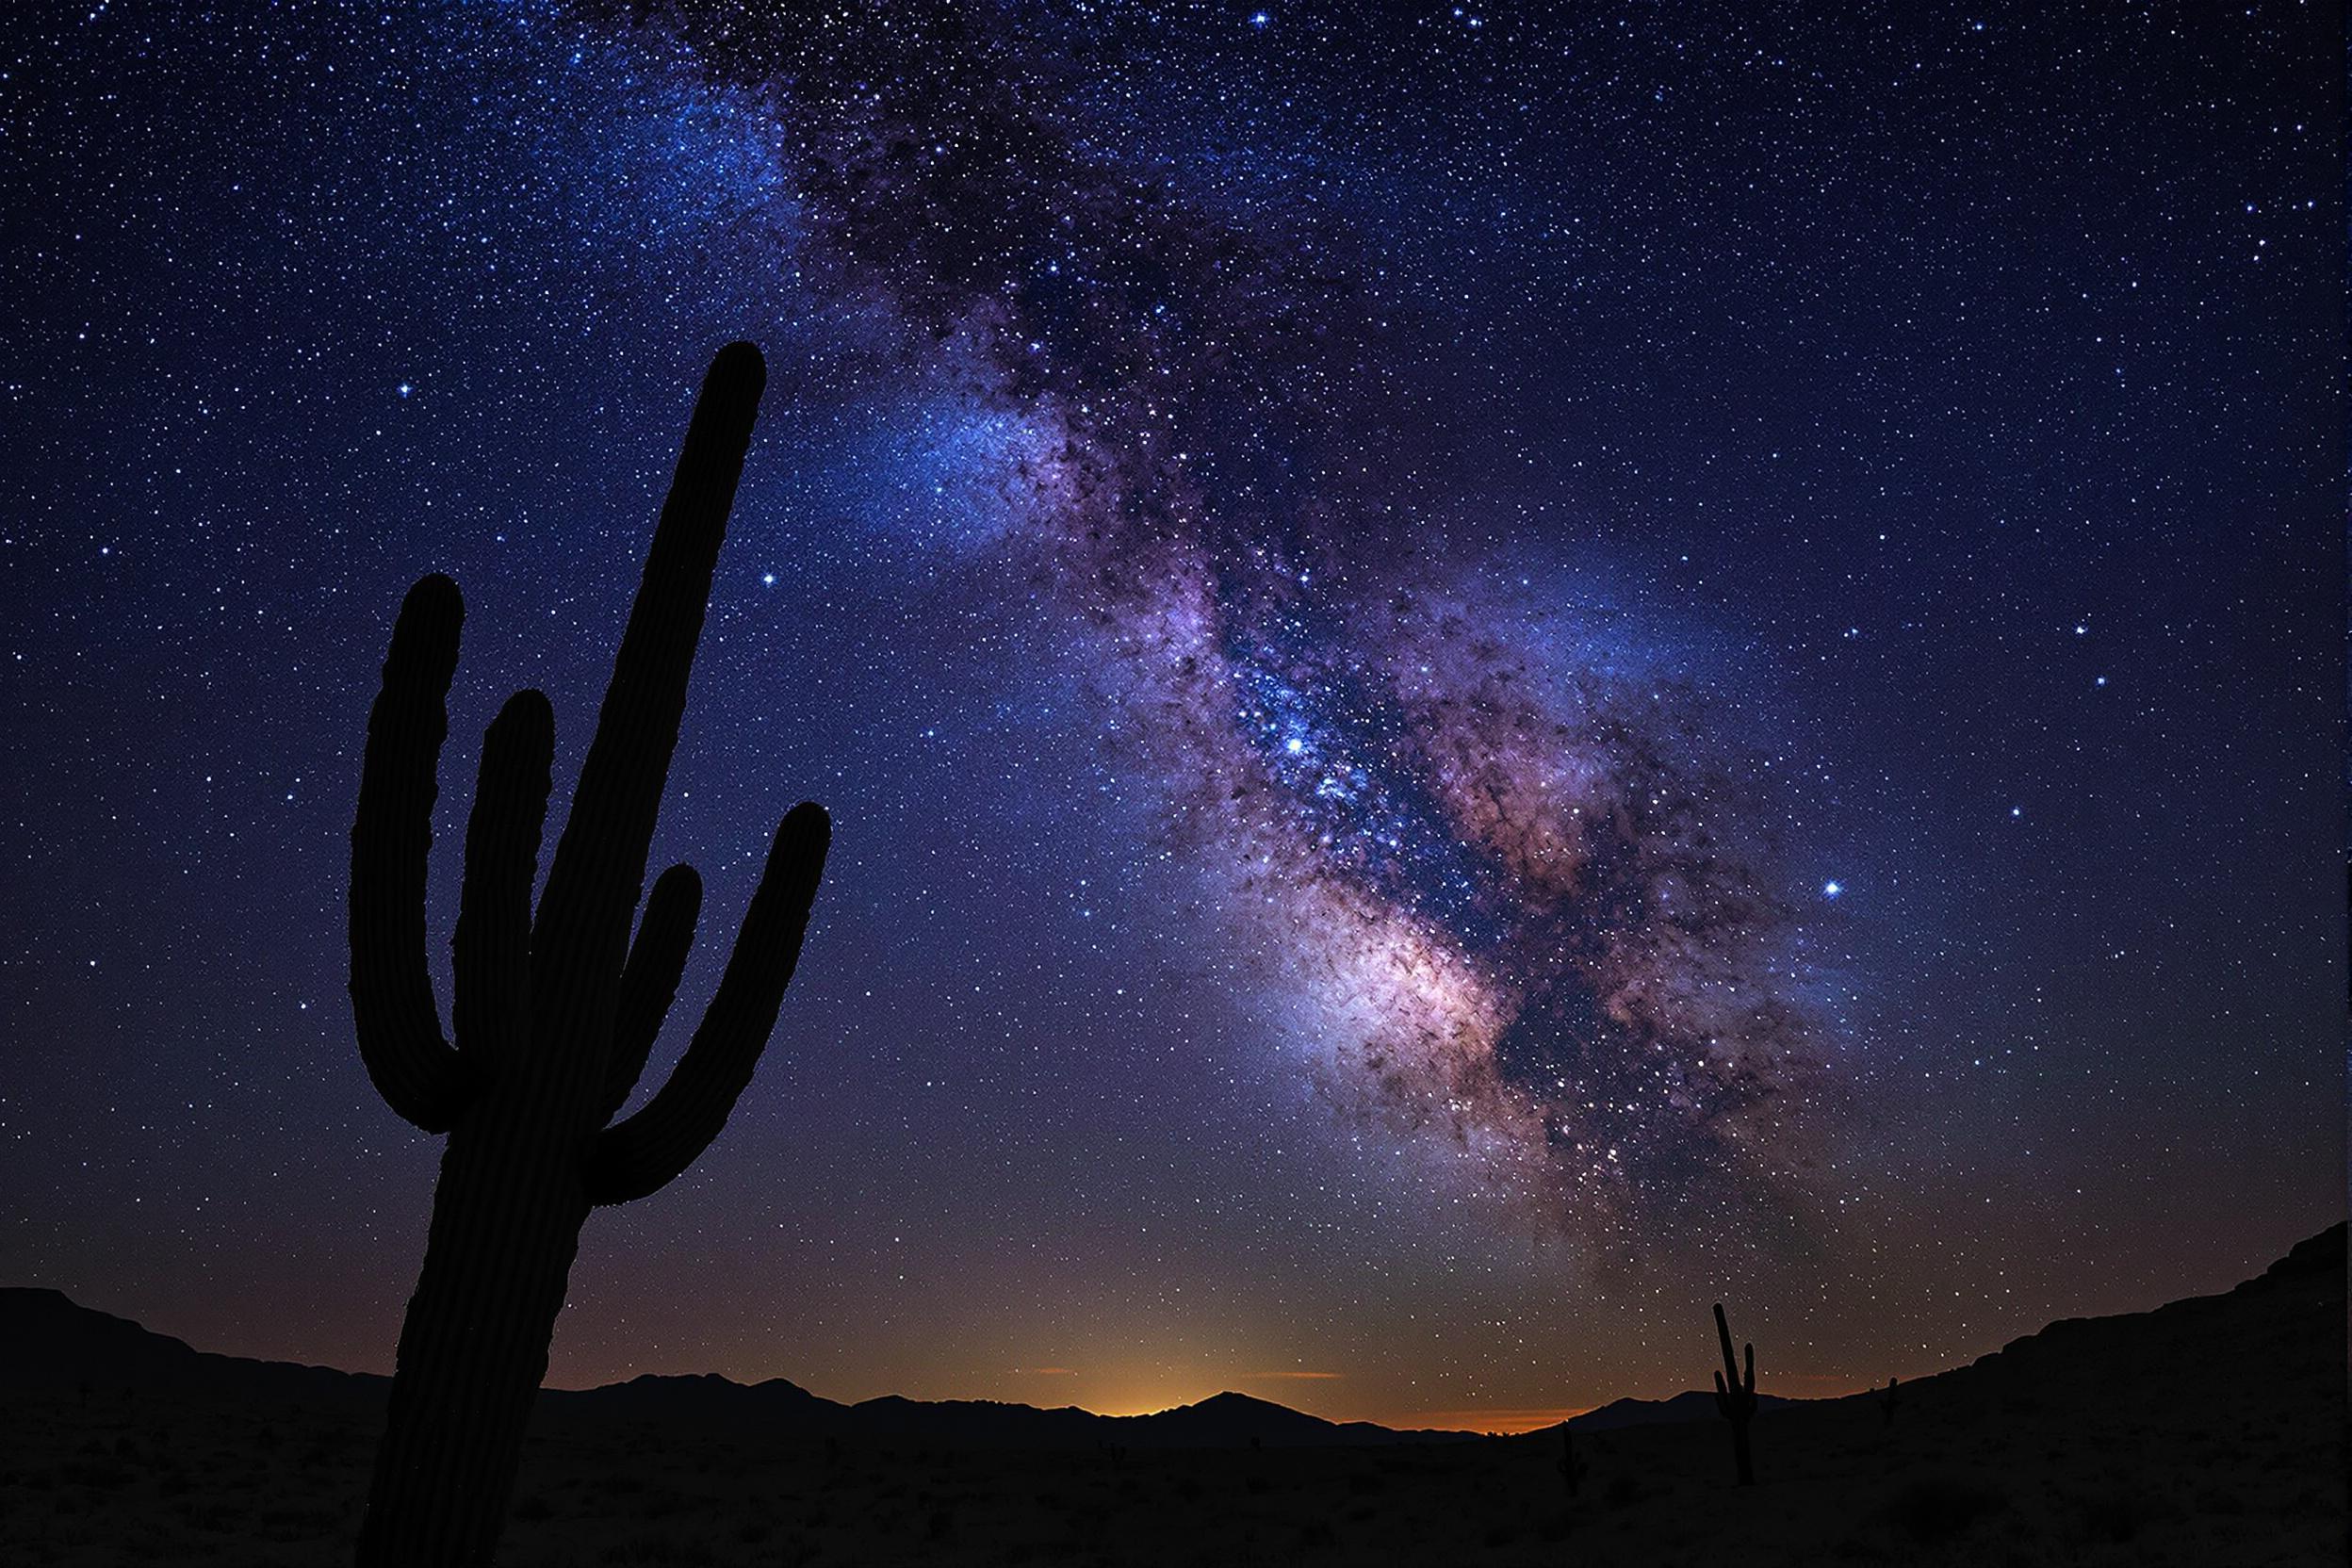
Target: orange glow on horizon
1508, 1420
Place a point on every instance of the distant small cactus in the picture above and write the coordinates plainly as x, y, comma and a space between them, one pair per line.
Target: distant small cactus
1573, 1468
1735, 1395
1886, 1400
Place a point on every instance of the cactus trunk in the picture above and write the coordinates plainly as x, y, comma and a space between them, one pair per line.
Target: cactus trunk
506, 1222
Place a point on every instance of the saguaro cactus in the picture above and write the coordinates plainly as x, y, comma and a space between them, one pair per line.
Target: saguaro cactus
553, 1015
1572, 1465
1735, 1397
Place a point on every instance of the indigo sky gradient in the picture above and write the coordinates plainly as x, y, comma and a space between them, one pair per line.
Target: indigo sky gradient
1484, 675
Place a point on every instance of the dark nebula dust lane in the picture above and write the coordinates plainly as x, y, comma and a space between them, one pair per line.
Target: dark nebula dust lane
1481, 673
1520, 898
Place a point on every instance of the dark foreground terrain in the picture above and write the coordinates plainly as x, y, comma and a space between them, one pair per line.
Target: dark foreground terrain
2210, 1433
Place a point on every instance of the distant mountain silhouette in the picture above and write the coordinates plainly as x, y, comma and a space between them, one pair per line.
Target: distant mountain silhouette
1223, 1421
49, 1342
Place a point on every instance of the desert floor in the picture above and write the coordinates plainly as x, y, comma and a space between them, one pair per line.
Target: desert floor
2148, 1475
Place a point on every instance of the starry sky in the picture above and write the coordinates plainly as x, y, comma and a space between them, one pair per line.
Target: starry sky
1484, 674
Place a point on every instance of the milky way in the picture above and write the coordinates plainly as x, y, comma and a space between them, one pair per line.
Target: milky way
1510, 870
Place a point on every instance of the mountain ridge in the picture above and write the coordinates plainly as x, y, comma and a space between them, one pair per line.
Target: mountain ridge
48, 1341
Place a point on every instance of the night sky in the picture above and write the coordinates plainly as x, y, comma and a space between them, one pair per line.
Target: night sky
1484, 675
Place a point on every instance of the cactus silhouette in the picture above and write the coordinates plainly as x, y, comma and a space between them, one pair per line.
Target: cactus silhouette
554, 1014
1736, 1398
1886, 1401
1572, 1465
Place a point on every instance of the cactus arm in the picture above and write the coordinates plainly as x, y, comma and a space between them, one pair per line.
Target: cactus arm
491, 947
398, 1023
1735, 1397
599, 868
644, 1153
649, 982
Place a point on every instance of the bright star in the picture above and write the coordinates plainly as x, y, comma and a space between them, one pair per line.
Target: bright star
1831, 890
